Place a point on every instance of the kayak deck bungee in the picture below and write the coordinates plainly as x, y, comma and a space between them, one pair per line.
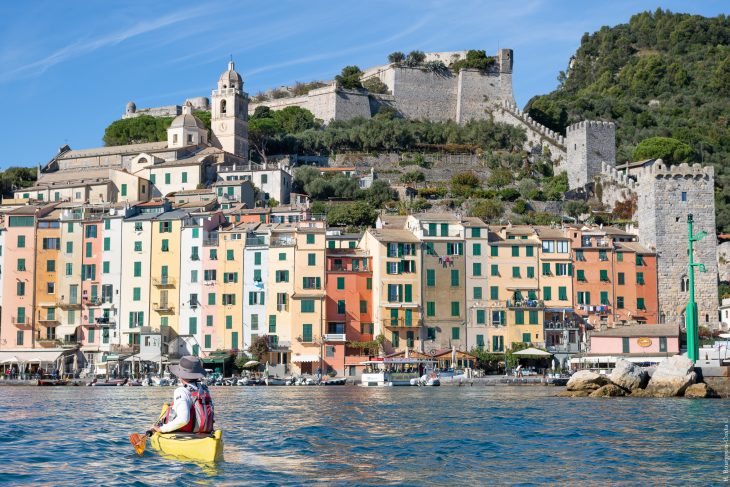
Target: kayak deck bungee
199, 447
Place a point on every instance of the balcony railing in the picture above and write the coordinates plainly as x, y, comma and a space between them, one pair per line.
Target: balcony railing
335, 337
22, 322
211, 241
562, 325
341, 268
525, 303
94, 301
48, 322
283, 242
163, 281
255, 241
69, 343
124, 349
163, 307
402, 323
105, 321
64, 304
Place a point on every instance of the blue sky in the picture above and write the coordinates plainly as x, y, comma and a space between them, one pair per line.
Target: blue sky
68, 68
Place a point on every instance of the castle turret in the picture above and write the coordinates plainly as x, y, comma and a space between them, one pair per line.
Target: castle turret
229, 113
589, 144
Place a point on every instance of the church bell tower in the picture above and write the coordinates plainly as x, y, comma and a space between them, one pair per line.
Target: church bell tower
229, 113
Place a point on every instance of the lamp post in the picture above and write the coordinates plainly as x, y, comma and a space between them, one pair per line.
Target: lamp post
691, 321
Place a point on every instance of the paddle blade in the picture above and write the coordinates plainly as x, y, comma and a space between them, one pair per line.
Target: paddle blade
138, 442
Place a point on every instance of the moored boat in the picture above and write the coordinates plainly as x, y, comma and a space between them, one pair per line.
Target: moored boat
109, 383
52, 382
387, 372
202, 448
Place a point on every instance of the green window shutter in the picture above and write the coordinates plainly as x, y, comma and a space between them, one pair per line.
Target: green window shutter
639, 278
167, 178
531, 295
310, 238
124, 190
530, 272
272, 324
409, 318
455, 308
211, 299
88, 249
257, 258
137, 269
455, 331
621, 278
207, 341
494, 292
363, 307
341, 307
545, 269
519, 317
476, 232
515, 251
431, 308
619, 256
229, 254
619, 302
311, 259
454, 277
430, 277
193, 325
476, 248
529, 251
526, 337
570, 269
494, 270
444, 229
581, 274
547, 293
136, 294
515, 272
306, 332
408, 293
625, 344
184, 177
395, 339
477, 292
369, 282
107, 243
431, 229
588, 297
640, 304
340, 283
494, 251
604, 275
476, 269
400, 293
229, 322
533, 317
480, 341
481, 317
604, 297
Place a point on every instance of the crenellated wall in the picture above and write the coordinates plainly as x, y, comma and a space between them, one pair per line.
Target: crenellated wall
537, 134
588, 145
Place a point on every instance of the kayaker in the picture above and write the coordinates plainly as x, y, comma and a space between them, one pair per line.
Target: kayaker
192, 406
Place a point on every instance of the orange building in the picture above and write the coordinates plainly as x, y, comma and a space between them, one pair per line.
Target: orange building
349, 307
47, 263
614, 279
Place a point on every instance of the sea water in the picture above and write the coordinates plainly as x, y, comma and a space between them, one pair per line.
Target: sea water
345, 435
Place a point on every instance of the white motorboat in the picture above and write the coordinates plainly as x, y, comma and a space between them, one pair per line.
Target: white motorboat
388, 372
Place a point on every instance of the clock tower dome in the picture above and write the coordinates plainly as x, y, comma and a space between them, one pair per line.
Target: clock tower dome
229, 113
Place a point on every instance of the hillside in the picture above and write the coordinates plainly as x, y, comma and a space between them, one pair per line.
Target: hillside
661, 75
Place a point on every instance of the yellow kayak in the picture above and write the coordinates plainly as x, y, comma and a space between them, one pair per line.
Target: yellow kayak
198, 447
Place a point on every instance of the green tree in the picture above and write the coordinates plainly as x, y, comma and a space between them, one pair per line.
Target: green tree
379, 193
475, 59
576, 208
555, 187
137, 130
262, 111
671, 151
415, 58
203, 116
413, 177
14, 178
396, 57
262, 132
349, 78
259, 348
272, 203
353, 214
520, 207
487, 210
499, 178
374, 85
464, 183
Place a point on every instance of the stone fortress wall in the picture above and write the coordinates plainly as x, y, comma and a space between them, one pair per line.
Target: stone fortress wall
537, 134
589, 144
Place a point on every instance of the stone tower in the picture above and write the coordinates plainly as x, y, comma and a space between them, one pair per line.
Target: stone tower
505, 57
229, 113
588, 144
666, 195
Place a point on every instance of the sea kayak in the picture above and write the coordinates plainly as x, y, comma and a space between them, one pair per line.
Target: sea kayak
203, 448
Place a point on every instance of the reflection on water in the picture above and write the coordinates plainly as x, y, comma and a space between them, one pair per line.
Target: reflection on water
358, 436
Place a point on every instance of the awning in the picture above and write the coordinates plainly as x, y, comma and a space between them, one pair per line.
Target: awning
305, 358
31, 356
532, 352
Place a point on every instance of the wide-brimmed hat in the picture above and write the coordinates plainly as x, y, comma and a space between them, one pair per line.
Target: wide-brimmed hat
189, 368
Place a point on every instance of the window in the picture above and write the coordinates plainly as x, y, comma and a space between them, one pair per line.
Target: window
476, 249
254, 322
580, 256
625, 345
640, 304
581, 275
584, 298
363, 307
393, 267
194, 276
282, 256
639, 278
311, 259
50, 266
88, 250
477, 293
408, 293
430, 308
138, 227
21, 264
211, 299
281, 276
546, 269
515, 251
208, 320
494, 270
454, 278
497, 343
257, 275
310, 239
229, 299
395, 339
165, 227
137, 269
124, 190
529, 251
481, 317
21, 241
494, 292
515, 272
369, 283
562, 293
264, 178
476, 269
20, 288
51, 243
639, 260
455, 330
619, 256
311, 283
430, 277
167, 178
455, 308
604, 275
621, 279
69, 269
494, 251
530, 272
340, 306
604, 298
547, 293
455, 248
19, 336
519, 317
136, 294
229, 322
602, 255
548, 246
340, 283
165, 245
619, 302
561, 269
562, 246
207, 341
69, 247
307, 306
662, 344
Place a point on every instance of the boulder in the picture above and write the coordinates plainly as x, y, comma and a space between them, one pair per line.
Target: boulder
574, 393
585, 380
700, 390
628, 376
609, 390
671, 377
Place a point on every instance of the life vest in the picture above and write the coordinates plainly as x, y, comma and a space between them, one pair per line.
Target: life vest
201, 411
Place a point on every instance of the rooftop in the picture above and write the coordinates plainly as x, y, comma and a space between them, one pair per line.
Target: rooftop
393, 235
639, 331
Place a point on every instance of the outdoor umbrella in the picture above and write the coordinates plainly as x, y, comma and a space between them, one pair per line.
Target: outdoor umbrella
251, 363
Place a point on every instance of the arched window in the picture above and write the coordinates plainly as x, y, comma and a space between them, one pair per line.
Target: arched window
223, 106
662, 318
707, 318
684, 284
142, 160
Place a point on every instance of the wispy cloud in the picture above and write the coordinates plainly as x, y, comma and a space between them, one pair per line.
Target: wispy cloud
86, 46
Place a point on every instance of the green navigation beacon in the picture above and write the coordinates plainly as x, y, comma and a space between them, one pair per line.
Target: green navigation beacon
693, 338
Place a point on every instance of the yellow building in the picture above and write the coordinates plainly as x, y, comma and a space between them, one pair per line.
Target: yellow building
396, 285
279, 289
308, 300
516, 311
230, 283
165, 272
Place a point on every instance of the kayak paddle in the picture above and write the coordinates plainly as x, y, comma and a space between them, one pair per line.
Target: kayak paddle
139, 442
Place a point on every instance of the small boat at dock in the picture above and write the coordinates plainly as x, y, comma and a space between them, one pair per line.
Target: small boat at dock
52, 382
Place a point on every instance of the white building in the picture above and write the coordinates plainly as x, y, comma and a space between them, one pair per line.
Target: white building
725, 314
273, 180
255, 278
111, 281
191, 291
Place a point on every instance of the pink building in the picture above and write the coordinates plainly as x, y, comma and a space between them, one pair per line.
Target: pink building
91, 269
641, 344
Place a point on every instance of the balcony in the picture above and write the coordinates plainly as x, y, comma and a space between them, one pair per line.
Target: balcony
402, 323
163, 307
525, 303
49, 322
164, 281
335, 337
255, 241
282, 307
23, 322
124, 349
562, 325
105, 321
69, 343
211, 241
338, 268
93, 301
64, 304
283, 242
48, 342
